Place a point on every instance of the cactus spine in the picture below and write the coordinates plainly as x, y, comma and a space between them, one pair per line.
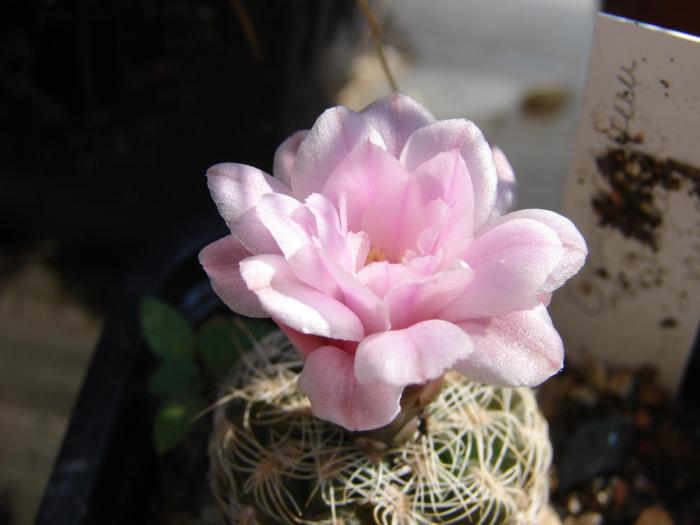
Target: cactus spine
477, 454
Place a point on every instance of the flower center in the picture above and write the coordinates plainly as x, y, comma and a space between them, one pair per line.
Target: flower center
375, 255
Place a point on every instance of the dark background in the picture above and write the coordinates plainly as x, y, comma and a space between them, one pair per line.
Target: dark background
111, 112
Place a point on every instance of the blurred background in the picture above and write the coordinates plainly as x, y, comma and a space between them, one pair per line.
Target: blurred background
111, 112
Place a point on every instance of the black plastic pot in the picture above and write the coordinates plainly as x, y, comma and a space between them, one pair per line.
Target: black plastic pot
107, 468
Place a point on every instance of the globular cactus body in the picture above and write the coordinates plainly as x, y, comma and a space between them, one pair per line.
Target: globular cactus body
478, 454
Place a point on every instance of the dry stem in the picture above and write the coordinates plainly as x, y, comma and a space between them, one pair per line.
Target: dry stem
376, 32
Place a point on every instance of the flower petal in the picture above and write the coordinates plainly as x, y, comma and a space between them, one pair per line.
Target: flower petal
360, 177
329, 382
252, 233
359, 298
464, 135
285, 155
308, 265
445, 178
505, 191
422, 299
296, 304
382, 276
348, 249
575, 250
396, 219
517, 349
236, 188
304, 343
336, 133
511, 263
220, 260
414, 355
276, 212
396, 117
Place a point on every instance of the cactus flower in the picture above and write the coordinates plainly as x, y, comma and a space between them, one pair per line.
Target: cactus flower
383, 248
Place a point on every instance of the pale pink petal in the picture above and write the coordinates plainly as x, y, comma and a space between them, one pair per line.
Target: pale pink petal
275, 213
329, 382
517, 349
347, 249
220, 260
252, 233
364, 174
505, 191
429, 241
336, 133
236, 188
396, 219
511, 263
396, 117
445, 178
309, 263
424, 265
304, 343
382, 276
446, 135
316, 266
414, 355
422, 299
575, 250
301, 307
359, 298
309, 266
285, 155
309, 236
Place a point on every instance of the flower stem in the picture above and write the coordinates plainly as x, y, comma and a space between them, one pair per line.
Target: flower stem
248, 28
376, 32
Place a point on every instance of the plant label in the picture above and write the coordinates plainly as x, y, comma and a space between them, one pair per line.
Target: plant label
634, 192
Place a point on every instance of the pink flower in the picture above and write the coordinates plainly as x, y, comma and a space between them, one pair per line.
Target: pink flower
382, 251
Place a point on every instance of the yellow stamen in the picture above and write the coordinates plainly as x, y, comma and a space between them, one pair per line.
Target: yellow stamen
375, 255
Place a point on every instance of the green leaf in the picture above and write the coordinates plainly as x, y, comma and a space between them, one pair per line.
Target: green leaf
176, 379
166, 330
173, 422
216, 345
221, 343
254, 330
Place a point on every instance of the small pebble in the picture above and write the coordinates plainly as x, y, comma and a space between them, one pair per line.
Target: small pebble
643, 484
584, 395
545, 100
620, 383
621, 493
655, 515
587, 518
632, 168
642, 419
652, 395
614, 434
573, 503
603, 498
597, 484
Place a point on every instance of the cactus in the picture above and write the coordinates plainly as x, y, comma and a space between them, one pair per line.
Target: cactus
477, 454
